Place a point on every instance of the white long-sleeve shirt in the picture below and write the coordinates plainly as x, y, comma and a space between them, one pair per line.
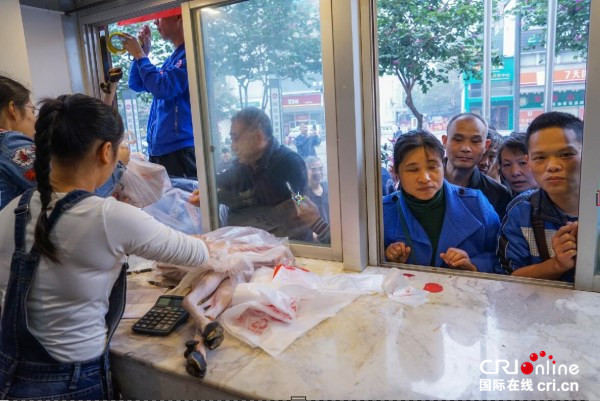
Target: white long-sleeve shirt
68, 301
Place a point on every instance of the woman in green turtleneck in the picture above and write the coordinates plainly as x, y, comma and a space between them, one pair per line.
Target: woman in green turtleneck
431, 222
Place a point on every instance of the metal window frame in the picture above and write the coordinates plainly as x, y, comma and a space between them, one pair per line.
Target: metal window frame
200, 121
586, 278
588, 263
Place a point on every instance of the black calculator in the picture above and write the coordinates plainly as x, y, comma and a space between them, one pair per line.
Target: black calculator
163, 318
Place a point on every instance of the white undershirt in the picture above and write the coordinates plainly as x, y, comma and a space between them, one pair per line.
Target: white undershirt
67, 302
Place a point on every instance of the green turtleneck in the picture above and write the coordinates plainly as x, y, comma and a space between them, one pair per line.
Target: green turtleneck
430, 214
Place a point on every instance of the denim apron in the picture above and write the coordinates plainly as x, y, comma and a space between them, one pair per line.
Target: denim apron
27, 370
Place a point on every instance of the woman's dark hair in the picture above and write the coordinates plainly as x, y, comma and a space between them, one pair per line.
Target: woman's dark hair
11, 90
415, 139
254, 118
66, 129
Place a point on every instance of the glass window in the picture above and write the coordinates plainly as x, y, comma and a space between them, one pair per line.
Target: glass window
434, 52
133, 106
266, 118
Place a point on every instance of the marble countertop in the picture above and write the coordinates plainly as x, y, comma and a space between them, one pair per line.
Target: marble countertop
379, 349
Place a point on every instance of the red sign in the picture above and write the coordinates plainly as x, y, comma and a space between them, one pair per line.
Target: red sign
303, 99
527, 116
560, 76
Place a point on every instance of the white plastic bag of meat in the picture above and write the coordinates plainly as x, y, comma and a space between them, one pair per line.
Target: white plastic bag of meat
280, 305
174, 210
238, 251
143, 183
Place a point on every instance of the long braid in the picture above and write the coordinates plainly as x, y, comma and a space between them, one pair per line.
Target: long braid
67, 128
45, 128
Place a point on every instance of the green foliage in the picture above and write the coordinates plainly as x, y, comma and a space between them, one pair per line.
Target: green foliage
420, 42
572, 23
261, 39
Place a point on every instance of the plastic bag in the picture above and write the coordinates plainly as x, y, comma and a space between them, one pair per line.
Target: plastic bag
238, 251
174, 210
279, 306
143, 183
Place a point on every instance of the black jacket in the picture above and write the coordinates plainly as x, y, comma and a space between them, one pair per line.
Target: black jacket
496, 193
260, 197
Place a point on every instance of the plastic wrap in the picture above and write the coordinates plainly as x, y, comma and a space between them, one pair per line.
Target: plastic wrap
174, 210
143, 183
237, 251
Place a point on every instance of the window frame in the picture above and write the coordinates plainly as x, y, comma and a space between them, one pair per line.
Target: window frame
201, 123
586, 278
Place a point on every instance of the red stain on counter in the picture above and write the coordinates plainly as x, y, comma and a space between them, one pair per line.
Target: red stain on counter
433, 287
408, 275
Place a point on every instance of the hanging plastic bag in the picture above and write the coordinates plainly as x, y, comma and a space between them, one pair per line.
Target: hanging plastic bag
174, 210
143, 183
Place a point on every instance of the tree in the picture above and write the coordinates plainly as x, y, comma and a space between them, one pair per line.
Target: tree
420, 42
263, 39
572, 23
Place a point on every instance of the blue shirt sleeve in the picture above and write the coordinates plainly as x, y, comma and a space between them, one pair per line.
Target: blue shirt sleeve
135, 80
513, 248
163, 84
486, 261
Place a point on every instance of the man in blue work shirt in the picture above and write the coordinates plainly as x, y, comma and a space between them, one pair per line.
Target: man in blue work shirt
538, 236
169, 135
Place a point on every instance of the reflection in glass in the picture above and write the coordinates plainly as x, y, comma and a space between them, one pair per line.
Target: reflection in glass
264, 84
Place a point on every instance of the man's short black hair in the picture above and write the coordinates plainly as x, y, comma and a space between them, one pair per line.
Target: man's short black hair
516, 143
254, 118
555, 119
495, 138
224, 150
468, 116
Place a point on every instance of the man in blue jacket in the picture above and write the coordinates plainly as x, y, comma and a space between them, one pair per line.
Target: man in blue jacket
538, 236
169, 135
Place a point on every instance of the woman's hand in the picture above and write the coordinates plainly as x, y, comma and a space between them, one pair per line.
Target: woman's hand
397, 252
458, 259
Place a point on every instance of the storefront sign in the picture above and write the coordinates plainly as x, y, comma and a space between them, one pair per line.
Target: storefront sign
535, 100
302, 99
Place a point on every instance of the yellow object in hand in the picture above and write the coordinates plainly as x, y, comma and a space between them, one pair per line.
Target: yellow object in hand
110, 45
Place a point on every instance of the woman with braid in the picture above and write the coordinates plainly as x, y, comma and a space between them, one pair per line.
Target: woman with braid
65, 285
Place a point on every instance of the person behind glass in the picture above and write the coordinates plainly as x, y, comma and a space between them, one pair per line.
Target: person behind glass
538, 237
489, 164
17, 150
258, 187
465, 145
170, 134
514, 170
318, 190
306, 143
225, 162
431, 222
65, 286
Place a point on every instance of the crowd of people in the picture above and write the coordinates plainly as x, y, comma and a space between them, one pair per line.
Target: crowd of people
474, 201
480, 202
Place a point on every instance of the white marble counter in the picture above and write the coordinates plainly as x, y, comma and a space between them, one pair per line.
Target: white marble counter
376, 348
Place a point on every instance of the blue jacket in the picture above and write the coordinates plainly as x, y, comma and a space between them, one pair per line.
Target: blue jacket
470, 224
306, 145
17, 154
170, 120
516, 246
